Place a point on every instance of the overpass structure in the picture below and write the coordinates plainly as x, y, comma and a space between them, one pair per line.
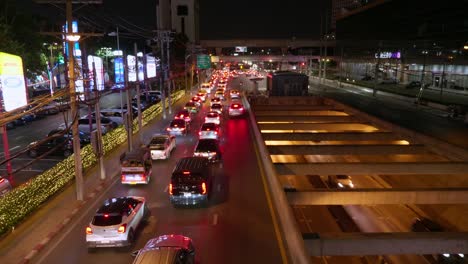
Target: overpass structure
304, 140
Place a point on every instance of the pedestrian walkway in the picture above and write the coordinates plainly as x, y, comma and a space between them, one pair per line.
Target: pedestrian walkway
31, 236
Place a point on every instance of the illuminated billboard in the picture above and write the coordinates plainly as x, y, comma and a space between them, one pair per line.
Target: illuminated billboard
141, 70
94, 61
241, 49
119, 70
12, 85
131, 66
150, 66
79, 87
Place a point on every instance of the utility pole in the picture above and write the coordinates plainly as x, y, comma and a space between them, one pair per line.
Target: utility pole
376, 72
324, 76
164, 39
97, 109
74, 108
129, 115
138, 94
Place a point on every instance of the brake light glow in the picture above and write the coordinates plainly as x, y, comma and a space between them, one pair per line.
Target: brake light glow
122, 229
2, 180
203, 186
89, 231
170, 188
186, 172
106, 215
168, 129
199, 133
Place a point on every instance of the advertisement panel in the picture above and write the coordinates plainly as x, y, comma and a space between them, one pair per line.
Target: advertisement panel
119, 70
12, 85
241, 49
131, 64
141, 70
98, 63
214, 59
150, 66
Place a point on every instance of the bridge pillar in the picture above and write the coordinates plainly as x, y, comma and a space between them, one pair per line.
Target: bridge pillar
219, 51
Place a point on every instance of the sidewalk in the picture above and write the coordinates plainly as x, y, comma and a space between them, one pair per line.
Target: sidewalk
33, 234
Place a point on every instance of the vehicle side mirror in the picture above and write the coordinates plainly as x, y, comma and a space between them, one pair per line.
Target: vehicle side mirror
135, 253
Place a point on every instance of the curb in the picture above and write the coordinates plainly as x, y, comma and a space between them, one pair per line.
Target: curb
41, 245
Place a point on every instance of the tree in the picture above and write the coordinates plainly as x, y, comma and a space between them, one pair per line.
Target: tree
19, 35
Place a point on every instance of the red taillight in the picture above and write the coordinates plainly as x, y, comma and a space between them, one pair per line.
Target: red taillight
89, 231
216, 132
123, 177
168, 129
242, 109
170, 189
186, 172
122, 228
106, 215
199, 133
2, 180
203, 186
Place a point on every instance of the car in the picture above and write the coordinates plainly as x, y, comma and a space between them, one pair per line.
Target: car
213, 117
413, 84
184, 114
427, 225
202, 96
216, 108
54, 145
84, 124
5, 186
220, 95
206, 86
117, 115
208, 148
236, 109
191, 107
196, 100
215, 100
235, 94
161, 146
209, 130
166, 249
85, 138
177, 127
340, 181
116, 221
388, 81
191, 181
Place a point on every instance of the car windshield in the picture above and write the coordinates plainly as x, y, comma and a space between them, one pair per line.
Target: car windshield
193, 178
107, 219
216, 106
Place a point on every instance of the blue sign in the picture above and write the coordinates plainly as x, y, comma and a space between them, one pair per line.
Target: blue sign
119, 70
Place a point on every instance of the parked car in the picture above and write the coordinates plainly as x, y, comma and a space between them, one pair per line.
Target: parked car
413, 84
115, 115
388, 81
5, 186
84, 137
115, 223
166, 249
161, 146
57, 145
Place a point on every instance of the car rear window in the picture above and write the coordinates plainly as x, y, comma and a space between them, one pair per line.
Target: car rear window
107, 220
208, 126
212, 115
192, 178
177, 123
158, 141
206, 145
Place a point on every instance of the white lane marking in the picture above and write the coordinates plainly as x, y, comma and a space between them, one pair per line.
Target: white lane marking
215, 219
166, 189
15, 147
219, 188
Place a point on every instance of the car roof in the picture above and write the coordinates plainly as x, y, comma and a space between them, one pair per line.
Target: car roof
157, 255
179, 241
116, 205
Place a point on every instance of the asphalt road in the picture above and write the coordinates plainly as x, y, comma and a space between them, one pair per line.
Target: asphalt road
235, 228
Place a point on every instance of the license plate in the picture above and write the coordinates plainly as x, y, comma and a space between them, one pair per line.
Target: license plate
187, 194
105, 241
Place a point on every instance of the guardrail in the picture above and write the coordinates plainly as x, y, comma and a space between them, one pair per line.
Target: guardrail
289, 232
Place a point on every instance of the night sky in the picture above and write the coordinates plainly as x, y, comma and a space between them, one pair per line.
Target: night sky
218, 19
